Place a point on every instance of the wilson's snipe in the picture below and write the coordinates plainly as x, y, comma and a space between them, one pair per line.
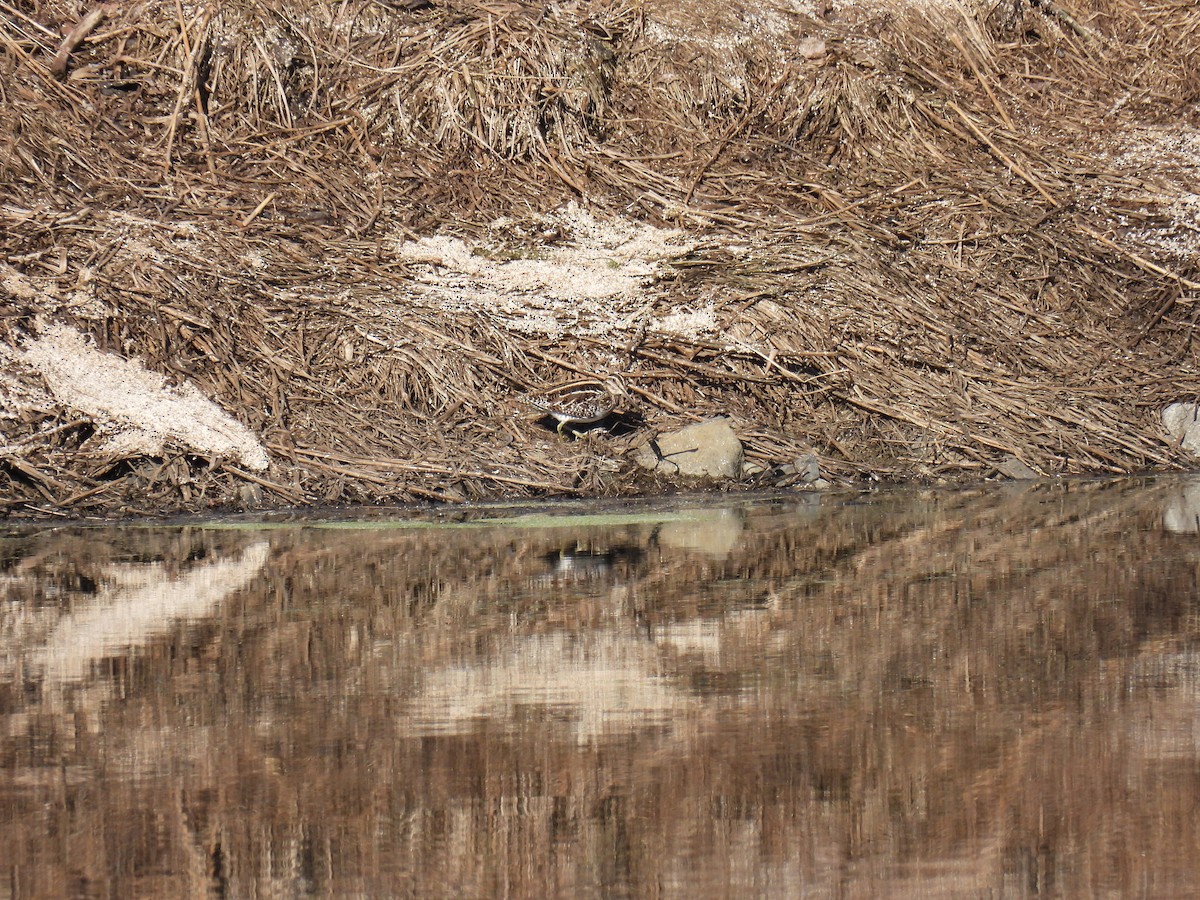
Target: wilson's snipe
579, 402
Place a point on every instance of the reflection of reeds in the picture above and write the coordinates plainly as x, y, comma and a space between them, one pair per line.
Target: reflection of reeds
924, 237
908, 693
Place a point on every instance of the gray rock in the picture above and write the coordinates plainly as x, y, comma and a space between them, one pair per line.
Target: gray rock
1016, 469
707, 449
808, 467
1182, 421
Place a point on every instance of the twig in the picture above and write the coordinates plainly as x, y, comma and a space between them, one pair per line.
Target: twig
1016, 169
74, 38
983, 81
1146, 265
283, 490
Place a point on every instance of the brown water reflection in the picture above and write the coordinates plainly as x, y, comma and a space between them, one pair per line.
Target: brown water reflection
983, 693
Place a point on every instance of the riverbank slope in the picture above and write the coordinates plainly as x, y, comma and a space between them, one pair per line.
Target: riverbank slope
292, 253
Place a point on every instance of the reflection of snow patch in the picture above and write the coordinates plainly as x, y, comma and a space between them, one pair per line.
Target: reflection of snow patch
139, 405
699, 637
602, 685
130, 614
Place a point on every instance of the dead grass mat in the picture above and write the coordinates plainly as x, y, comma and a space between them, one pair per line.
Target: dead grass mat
911, 224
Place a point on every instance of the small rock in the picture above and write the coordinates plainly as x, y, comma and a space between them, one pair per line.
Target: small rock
1011, 467
707, 449
808, 467
250, 494
1182, 421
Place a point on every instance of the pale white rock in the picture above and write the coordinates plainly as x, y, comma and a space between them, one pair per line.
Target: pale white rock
707, 449
1182, 421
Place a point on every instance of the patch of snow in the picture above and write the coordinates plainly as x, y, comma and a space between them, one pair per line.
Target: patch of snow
136, 406
593, 280
691, 323
1173, 156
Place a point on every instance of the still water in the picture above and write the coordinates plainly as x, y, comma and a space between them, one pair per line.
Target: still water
982, 693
